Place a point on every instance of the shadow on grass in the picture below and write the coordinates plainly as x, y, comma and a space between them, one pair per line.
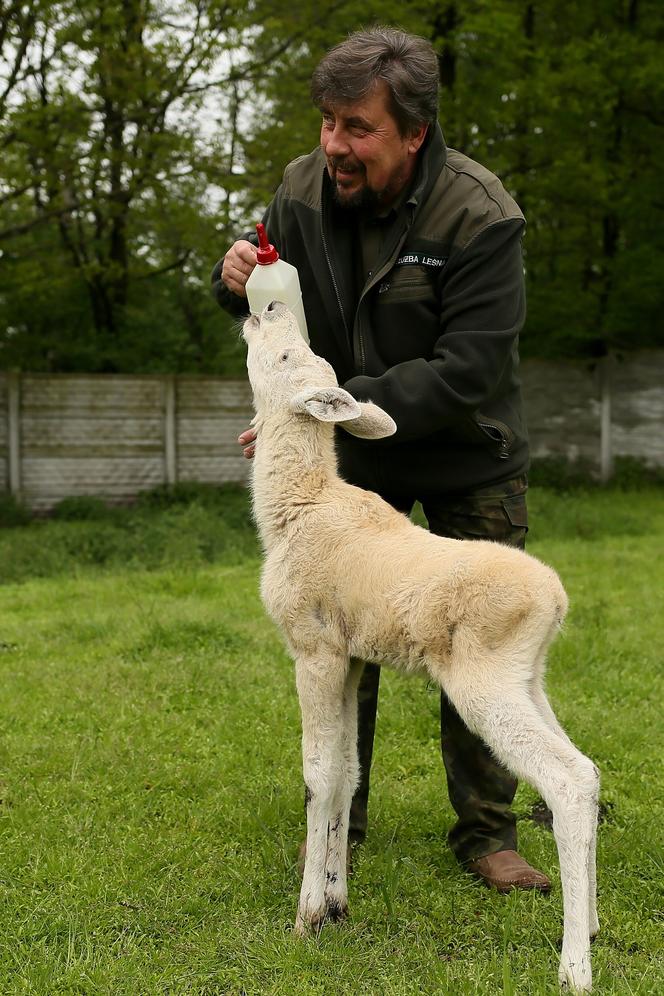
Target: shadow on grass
540, 814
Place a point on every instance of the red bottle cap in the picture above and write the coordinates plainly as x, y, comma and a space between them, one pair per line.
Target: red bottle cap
266, 253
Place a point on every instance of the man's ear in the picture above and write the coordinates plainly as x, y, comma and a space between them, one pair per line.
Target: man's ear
327, 404
372, 423
416, 140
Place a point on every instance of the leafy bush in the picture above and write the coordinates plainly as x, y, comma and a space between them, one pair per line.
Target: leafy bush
631, 473
230, 501
214, 527
12, 512
187, 492
82, 508
560, 474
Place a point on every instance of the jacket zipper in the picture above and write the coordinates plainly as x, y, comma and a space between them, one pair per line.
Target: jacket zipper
377, 275
334, 279
491, 427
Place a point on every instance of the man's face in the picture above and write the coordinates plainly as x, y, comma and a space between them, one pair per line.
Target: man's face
368, 160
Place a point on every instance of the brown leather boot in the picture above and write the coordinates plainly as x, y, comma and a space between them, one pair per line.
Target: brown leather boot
507, 870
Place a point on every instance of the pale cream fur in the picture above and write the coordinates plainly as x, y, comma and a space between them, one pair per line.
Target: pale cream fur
349, 579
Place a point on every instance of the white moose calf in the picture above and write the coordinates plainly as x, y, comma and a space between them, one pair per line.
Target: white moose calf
349, 579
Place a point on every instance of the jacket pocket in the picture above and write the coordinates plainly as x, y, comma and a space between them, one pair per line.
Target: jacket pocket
406, 283
516, 511
495, 434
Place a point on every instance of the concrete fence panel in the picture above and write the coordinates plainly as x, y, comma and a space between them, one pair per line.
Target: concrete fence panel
114, 436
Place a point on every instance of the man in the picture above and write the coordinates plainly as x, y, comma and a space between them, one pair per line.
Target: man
409, 257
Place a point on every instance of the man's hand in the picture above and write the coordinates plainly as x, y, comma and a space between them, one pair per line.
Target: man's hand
239, 263
247, 439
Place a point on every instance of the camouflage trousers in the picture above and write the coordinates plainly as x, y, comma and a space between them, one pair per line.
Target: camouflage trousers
480, 789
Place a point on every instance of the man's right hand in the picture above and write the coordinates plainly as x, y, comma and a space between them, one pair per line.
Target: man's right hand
247, 440
239, 263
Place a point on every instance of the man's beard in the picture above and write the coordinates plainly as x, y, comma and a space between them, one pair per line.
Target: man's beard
364, 199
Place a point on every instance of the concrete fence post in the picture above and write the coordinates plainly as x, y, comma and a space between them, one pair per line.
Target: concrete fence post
606, 445
14, 432
170, 431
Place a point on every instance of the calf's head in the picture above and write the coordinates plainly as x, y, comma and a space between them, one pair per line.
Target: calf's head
285, 374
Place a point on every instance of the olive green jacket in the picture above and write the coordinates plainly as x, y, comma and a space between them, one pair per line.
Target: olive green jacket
432, 336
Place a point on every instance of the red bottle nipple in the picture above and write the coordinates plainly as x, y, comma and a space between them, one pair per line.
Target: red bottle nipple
266, 253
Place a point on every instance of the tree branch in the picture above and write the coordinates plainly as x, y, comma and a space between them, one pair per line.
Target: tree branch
164, 269
26, 226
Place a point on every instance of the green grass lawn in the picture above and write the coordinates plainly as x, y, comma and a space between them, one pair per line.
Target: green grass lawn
150, 786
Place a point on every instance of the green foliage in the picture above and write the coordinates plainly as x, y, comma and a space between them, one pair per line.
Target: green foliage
558, 100
230, 500
559, 474
632, 474
138, 143
107, 224
188, 525
181, 493
12, 512
81, 508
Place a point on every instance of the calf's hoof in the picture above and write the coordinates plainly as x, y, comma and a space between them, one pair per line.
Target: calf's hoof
336, 912
311, 924
576, 977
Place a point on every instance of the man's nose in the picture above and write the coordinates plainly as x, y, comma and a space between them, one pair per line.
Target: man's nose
335, 142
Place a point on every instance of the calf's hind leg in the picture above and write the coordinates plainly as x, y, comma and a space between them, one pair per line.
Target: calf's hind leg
508, 720
550, 718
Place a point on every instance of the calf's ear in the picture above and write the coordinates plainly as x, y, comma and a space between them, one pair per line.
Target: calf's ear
327, 404
372, 422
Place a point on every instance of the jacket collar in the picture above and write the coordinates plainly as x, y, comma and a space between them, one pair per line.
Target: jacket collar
433, 157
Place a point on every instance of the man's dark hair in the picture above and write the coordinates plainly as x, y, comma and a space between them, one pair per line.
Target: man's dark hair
407, 63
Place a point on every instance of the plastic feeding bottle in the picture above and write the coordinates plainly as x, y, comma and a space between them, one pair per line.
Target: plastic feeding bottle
274, 279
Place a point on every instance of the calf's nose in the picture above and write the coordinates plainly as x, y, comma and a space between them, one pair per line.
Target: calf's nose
275, 308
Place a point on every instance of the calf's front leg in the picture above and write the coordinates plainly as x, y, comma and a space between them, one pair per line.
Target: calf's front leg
336, 889
321, 681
